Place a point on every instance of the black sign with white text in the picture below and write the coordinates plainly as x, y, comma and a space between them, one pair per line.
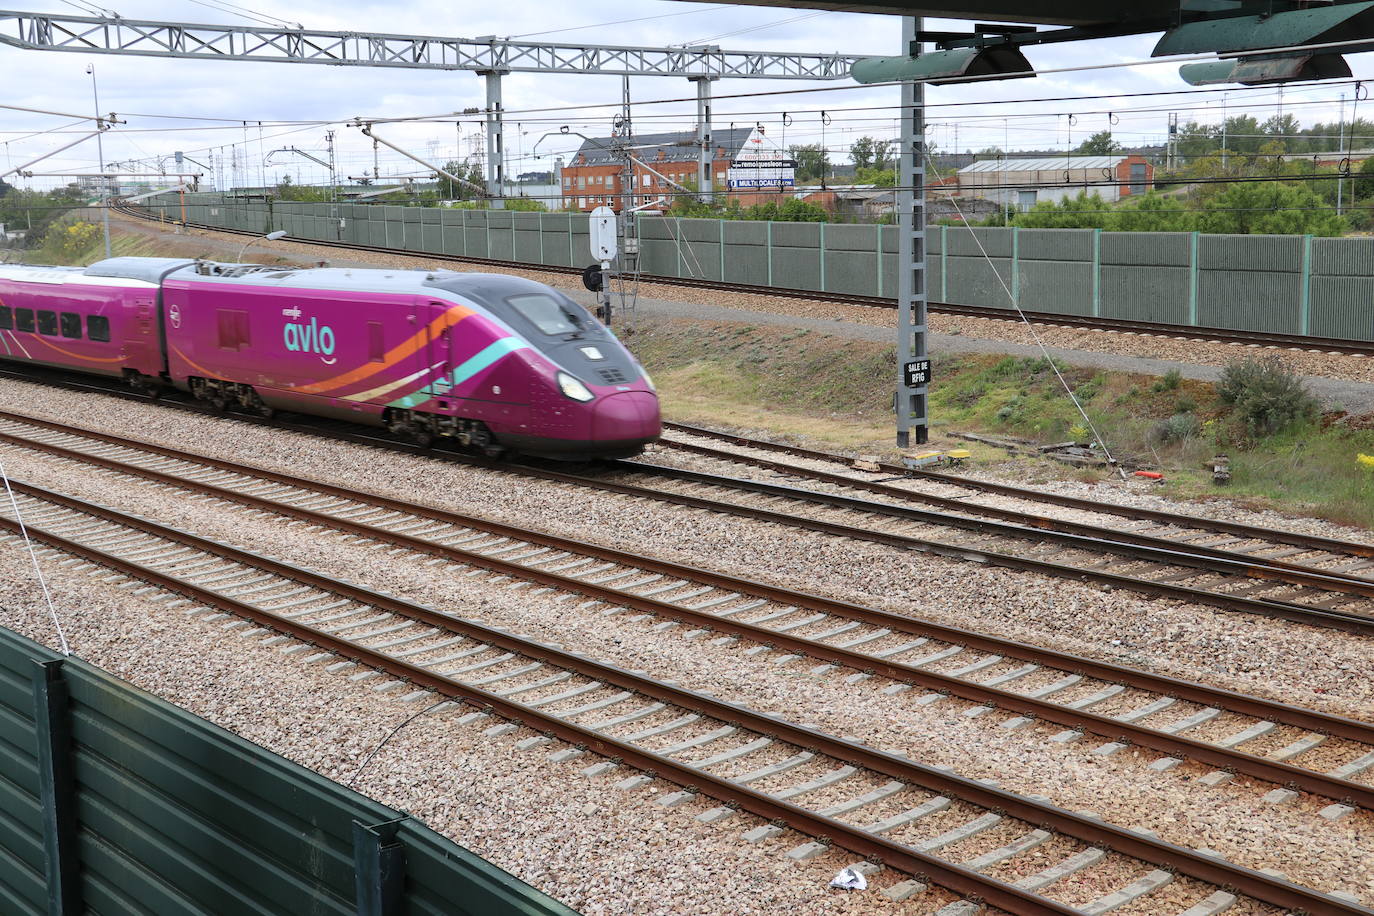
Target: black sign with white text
917, 373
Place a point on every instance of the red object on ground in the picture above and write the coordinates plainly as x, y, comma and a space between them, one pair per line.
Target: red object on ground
1153, 475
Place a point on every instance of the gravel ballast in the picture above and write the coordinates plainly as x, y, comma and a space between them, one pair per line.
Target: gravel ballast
964, 744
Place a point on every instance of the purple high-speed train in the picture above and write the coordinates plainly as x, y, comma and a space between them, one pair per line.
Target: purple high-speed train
487, 360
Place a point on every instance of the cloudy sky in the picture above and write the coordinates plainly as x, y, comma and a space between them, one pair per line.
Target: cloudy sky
244, 111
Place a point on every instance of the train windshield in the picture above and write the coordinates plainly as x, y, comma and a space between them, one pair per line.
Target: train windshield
548, 314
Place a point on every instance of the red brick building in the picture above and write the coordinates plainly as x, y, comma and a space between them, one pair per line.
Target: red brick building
593, 177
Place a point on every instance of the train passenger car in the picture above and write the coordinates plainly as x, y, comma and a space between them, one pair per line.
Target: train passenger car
489, 360
102, 319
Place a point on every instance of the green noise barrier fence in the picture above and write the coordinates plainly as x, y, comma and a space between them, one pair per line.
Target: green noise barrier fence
115, 802
1292, 284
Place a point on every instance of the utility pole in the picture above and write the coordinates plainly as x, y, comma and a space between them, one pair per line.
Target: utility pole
1223, 131
627, 236
913, 362
705, 153
100, 151
333, 186
496, 174
1340, 181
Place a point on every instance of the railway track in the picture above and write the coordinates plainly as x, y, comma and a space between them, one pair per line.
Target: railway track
1205, 575
881, 806
1263, 548
1232, 582
1172, 526
1146, 328
993, 673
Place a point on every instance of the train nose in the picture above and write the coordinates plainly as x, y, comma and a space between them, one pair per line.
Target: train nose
625, 416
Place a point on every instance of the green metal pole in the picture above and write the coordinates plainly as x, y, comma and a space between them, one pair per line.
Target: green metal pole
721, 224
1192, 285
769, 252
1305, 308
1016, 266
1097, 273
56, 789
822, 225
944, 263
880, 260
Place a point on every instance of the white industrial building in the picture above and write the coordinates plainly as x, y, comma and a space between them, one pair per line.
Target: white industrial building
1023, 183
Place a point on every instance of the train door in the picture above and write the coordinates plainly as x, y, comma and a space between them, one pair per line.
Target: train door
439, 352
140, 344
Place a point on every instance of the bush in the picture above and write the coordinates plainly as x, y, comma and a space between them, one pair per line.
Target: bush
68, 243
1168, 382
1178, 428
1265, 396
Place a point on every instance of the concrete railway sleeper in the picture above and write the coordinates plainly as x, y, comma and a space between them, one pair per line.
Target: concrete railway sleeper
863, 640
1331, 600
1165, 526
1161, 580
419, 647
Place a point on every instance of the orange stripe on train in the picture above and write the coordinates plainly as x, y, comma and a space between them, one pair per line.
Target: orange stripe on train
451, 316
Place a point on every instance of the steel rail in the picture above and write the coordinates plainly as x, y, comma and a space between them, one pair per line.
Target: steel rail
1310, 541
1289, 610
1226, 758
1261, 886
1188, 332
1265, 607
1359, 584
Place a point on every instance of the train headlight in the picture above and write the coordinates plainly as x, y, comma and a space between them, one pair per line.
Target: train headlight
573, 388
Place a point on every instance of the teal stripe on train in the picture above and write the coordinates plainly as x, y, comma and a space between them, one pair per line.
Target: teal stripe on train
483, 359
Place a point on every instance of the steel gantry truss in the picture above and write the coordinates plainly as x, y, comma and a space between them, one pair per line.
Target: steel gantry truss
488, 56
102, 35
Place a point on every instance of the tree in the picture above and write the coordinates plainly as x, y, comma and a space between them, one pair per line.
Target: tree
1287, 131
1194, 140
1271, 208
453, 190
881, 178
870, 153
1364, 183
287, 190
1099, 144
1152, 213
1086, 211
5, 187
812, 161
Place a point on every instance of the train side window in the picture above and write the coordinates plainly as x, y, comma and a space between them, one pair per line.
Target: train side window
47, 323
71, 325
6, 317
376, 345
233, 329
98, 327
23, 319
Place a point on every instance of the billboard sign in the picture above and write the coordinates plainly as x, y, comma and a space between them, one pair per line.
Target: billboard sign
761, 173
